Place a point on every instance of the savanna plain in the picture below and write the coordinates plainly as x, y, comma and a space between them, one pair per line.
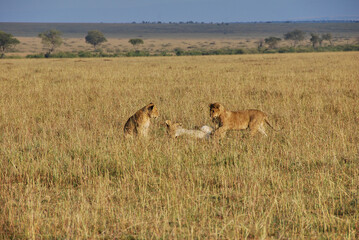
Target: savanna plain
68, 173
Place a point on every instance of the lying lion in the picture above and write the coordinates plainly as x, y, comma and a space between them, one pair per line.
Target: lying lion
229, 120
175, 130
139, 123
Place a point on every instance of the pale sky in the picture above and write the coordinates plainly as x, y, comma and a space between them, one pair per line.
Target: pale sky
121, 11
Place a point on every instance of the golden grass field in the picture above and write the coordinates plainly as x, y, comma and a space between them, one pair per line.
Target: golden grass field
68, 173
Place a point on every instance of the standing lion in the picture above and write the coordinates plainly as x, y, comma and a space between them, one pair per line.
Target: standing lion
239, 120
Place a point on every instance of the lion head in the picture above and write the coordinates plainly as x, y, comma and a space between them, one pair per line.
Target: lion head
215, 110
152, 110
172, 127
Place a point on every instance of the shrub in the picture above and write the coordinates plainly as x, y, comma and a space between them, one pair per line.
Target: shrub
178, 51
40, 55
138, 53
64, 55
85, 54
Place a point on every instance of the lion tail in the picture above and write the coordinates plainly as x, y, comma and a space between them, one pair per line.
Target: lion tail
277, 130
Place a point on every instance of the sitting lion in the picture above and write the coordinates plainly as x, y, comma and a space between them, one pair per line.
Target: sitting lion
176, 130
229, 120
139, 123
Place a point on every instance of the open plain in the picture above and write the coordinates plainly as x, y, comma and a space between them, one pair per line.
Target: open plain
165, 38
67, 171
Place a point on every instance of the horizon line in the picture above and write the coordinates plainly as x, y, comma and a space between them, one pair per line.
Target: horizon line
197, 22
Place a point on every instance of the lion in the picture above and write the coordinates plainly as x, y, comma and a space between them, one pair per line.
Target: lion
239, 120
139, 123
175, 130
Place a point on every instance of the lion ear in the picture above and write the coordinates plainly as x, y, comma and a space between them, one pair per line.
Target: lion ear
210, 105
168, 122
150, 106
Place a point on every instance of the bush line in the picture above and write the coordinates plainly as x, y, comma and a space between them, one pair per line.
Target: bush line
198, 52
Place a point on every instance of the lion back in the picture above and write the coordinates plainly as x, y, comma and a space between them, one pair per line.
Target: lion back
130, 127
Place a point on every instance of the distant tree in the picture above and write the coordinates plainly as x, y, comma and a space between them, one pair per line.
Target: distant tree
315, 40
260, 44
327, 37
51, 39
95, 38
135, 41
178, 51
272, 42
6, 41
296, 36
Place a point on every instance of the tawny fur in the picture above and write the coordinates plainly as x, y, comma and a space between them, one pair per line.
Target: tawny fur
238, 120
175, 130
139, 123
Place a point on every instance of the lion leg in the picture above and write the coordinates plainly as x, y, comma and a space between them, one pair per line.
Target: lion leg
220, 132
143, 132
261, 129
253, 131
254, 127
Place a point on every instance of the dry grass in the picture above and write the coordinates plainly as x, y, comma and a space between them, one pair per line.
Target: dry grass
32, 45
66, 171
